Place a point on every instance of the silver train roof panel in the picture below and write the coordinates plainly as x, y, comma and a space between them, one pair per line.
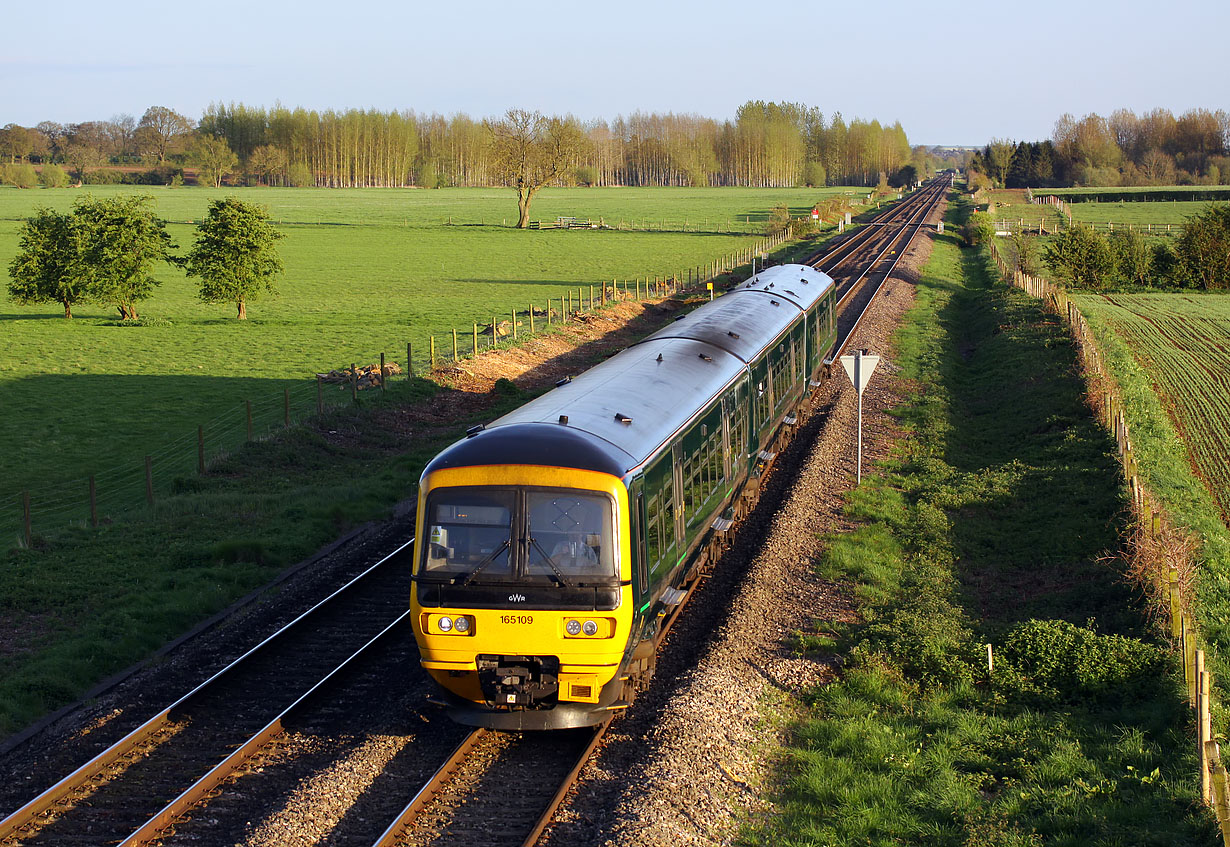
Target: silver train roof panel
744, 321
639, 398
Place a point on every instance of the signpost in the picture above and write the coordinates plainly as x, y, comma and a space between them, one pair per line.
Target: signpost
859, 367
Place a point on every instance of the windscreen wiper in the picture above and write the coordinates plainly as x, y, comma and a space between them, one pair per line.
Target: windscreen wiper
547, 559
491, 558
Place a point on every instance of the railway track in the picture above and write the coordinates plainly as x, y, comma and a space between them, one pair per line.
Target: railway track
319, 677
134, 789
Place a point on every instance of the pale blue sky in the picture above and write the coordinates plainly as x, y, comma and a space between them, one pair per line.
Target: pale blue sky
1001, 69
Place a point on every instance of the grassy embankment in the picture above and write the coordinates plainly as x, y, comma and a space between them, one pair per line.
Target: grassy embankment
991, 524
87, 603
366, 271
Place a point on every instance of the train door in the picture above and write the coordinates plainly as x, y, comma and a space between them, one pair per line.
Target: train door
677, 479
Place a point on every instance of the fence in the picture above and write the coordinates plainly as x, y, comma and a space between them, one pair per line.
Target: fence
92, 500
1154, 541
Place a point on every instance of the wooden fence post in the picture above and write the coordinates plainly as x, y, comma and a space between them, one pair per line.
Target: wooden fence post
354, 389
381, 378
476, 338
495, 330
455, 356
514, 324
409, 360
25, 519
432, 352
530, 312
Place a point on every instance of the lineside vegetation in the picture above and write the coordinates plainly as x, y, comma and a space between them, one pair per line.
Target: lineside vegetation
991, 524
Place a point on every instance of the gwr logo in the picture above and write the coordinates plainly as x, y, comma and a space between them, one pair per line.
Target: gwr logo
516, 598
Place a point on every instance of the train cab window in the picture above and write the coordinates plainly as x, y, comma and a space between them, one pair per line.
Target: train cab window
570, 535
470, 532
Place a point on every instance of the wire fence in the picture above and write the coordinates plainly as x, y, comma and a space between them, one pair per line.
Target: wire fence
112, 492
1161, 549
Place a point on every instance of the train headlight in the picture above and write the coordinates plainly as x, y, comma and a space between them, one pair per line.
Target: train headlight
449, 624
589, 627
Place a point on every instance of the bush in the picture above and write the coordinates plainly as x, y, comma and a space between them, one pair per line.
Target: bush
20, 175
1061, 659
1133, 258
586, 175
1025, 249
299, 175
102, 176
978, 229
813, 175
1081, 257
1203, 250
53, 176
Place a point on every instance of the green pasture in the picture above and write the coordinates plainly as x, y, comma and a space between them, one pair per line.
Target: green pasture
366, 271
1138, 215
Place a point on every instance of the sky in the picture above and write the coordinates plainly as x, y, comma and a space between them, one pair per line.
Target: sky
951, 73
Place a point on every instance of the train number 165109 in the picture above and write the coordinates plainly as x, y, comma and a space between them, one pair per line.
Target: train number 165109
516, 619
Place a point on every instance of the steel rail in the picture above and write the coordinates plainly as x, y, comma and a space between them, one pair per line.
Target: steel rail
430, 789
841, 345
152, 829
41, 804
548, 814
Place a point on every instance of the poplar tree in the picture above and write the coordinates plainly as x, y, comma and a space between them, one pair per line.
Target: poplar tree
235, 255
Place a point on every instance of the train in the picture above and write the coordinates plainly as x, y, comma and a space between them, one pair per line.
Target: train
554, 542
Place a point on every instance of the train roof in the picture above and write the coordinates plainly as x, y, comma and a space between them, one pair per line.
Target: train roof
625, 408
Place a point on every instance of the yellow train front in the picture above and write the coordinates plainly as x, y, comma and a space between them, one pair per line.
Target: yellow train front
553, 543
523, 587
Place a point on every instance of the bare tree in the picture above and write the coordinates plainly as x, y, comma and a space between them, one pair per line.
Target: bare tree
160, 128
532, 151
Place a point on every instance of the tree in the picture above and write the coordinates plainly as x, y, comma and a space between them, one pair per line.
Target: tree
532, 151
234, 255
214, 160
1203, 250
159, 130
1082, 257
45, 267
1133, 257
118, 240
19, 176
999, 157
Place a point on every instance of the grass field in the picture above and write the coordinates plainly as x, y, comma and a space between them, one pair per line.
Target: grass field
366, 271
990, 525
1183, 343
1138, 215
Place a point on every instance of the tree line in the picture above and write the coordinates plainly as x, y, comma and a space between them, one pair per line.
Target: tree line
766, 144
105, 251
1155, 148
1199, 259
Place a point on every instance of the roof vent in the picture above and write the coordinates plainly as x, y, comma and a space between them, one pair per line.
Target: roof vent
680, 317
563, 381
659, 357
706, 358
474, 430
775, 303
803, 280
732, 333
563, 420
622, 418
791, 293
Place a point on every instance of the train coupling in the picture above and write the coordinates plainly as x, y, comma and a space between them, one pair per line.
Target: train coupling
525, 681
